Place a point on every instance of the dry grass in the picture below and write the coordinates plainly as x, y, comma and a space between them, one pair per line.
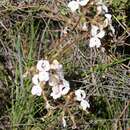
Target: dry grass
34, 30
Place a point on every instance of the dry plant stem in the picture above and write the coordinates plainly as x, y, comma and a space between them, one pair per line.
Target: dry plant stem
121, 25
122, 113
53, 53
48, 106
42, 38
72, 119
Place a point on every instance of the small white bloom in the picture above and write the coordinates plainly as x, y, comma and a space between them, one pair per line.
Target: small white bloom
56, 93
83, 2
109, 17
43, 76
73, 5
62, 89
112, 29
94, 30
36, 90
63, 122
104, 7
35, 79
84, 104
101, 8
80, 94
48, 106
43, 65
65, 87
101, 34
109, 22
94, 42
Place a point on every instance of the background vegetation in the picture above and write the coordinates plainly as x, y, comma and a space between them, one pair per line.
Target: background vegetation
31, 30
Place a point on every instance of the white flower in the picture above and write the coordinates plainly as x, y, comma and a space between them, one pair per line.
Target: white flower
94, 30
35, 79
60, 90
63, 122
56, 93
48, 106
101, 8
101, 34
65, 87
73, 5
112, 29
108, 20
83, 2
80, 94
104, 7
94, 42
36, 90
43, 76
84, 104
108, 16
43, 65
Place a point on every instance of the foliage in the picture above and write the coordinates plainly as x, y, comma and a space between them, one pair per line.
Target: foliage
33, 30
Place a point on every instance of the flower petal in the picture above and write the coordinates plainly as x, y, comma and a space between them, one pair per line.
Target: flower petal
43, 76
56, 93
35, 79
64, 122
104, 7
94, 30
65, 87
84, 104
109, 16
94, 42
73, 5
112, 29
43, 65
101, 34
36, 90
83, 2
80, 94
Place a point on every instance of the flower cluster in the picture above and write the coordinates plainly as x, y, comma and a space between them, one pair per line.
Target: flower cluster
53, 75
42, 76
80, 96
74, 5
60, 86
98, 32
97, 29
